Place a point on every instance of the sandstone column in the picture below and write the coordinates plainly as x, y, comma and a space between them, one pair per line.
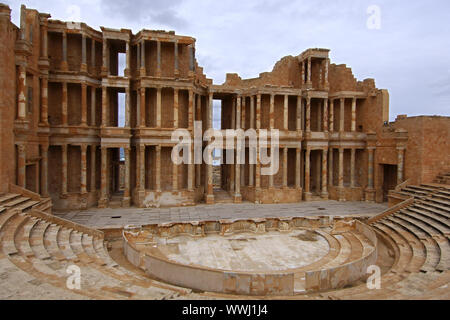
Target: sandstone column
243, 104
400, 151
353, 115
126, 192
237, 180
272, 111
297, 168
175, 54
175, 108
21, 163
324, 174
158, 107
331, 115
307, 173
251, 167
93, 168
308, 114
285, 168
141, 167
309, 71
22, 94
233, 114
158, 58
330, 170
143, 71
158, 168
370, 184
352, 167
83, 104
174, 177
104, 106
64, 169
209, 169
271, 176
93, 54
238, 112
104, 170
191, 114
127, 71
257, 172
327, 63
44, 100
83, 184
325, 115
285, 112
64, 65
341, 117
190, 177
93, 106
299, 113
127, 107
44, 170
83, 53
142, 108
341, 196
64, 104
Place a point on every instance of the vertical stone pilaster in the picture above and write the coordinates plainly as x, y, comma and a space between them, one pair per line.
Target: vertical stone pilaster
308, 114
243, 106
271, 176
141, 166
64, 170
309, 71
233, 113
177, 71
83, 53
83, 184
104, 106
370, 184
342, 115
83, 104
21, 92
21, 163
190, 177
285, 168
93, 106
272, 111
210, 111
127, 71
252, 112
400, 164
127, 107
324, 174
142, 106
93, 168
126, 192
341, 194
325, 115
331, 115
158, 58
103, 202
175, 108
353, 115
330, 170
191, 114
143, 68
285, 112
307, 174
352, 167
93, 53
158, 168
158, 107
44, 101
297, 168
105, 71
303, 73
44, 170
64, 64
299, 114
238, 112
258, 111
174, 177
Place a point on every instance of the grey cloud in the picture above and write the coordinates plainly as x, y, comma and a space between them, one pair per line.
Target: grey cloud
145, 11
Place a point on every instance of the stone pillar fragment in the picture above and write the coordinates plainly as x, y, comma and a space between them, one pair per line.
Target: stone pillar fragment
93, 106
332, 115
83, 104
307, 173
158, 107
104, 175
175, 108
64, 64
325, 115
21, 92
353, 127
83, 184
93, 168
126, 192
285, 112
64, 170
44, 101
324, 174
44, 170
158, 58
308, 114
352, 167
83, 53
158, 168
297, 168
285, 167
21, 163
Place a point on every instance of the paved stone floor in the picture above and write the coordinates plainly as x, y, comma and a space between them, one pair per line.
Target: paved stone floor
113, 218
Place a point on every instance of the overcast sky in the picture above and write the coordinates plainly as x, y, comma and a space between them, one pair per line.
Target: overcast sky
406, 50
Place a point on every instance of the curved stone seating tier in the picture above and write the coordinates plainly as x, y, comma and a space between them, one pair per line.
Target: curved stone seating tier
352, 248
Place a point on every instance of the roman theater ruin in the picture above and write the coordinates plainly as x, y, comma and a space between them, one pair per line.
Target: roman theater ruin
87, 178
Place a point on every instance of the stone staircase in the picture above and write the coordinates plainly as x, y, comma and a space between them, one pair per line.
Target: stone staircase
222, 196
443, 178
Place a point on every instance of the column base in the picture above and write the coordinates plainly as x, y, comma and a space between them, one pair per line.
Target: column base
307, 196
237, 198
83, 201
370, 195
103, 203
64, 66
341, 194
324, 195
177, 73
209, 199
83, 67
126, 201
142, 72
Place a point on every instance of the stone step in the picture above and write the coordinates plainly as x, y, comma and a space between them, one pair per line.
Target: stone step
441, 229
8, 197
442, 220
15, 202
344, 253
419, 254
356, 247
51, 242
430, 202
64, 244
442, 242
421, 208
432, 251
27, 205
